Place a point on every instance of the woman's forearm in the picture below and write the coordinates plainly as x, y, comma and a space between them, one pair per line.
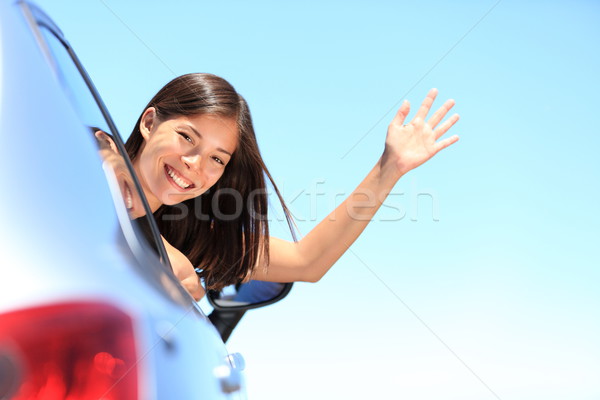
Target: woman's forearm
332, 237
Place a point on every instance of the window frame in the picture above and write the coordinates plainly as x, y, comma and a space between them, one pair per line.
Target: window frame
41, 20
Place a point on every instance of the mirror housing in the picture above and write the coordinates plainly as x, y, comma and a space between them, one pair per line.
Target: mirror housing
248, 295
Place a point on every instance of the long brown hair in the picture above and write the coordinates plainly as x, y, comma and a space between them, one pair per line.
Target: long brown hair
225, 230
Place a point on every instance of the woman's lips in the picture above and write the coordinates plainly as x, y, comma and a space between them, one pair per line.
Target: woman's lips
177, 180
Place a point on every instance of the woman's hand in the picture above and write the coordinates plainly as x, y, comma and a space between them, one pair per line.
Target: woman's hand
408, 146
184, 271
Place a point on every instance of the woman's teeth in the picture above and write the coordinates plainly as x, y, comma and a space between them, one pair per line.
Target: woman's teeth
128, 198
180, 182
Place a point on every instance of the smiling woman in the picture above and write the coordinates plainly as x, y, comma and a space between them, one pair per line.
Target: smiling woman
195, 137
195, 151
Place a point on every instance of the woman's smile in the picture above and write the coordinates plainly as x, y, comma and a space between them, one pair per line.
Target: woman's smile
177, 179
128, 197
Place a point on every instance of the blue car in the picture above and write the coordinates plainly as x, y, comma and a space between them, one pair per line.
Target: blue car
89, 305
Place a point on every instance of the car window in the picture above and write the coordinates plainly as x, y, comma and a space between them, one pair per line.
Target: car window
83, 97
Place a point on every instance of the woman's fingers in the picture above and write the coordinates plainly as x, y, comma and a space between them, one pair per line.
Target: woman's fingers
418, 122
443, 128
441, 113
426, 105
402, 112
445, 143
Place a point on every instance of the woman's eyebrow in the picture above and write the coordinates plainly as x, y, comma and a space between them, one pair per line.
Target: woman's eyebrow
200, 137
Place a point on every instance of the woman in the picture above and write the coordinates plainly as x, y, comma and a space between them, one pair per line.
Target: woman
195, 152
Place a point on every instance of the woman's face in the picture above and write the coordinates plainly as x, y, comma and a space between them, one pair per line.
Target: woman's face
184, 156
115, 161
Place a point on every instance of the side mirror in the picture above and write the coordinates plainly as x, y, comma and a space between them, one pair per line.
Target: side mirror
245, 296
231, 303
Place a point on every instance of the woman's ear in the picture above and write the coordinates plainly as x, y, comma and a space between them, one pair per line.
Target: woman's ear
105, 141
147, 122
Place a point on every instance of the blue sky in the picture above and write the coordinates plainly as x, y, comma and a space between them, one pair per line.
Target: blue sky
479, 279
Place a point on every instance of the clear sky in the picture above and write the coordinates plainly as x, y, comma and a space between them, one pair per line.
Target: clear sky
479, 279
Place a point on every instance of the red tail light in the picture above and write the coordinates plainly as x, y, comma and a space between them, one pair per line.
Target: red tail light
69, 351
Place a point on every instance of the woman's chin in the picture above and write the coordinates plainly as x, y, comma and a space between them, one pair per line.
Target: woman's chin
174, 199
171, 198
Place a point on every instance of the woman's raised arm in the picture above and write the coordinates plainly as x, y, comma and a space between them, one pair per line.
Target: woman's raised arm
406, 147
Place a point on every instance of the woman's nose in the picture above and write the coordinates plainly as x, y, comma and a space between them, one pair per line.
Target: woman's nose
192, 162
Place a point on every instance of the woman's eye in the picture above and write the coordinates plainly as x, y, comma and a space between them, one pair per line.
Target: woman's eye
217, 159
185, 136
